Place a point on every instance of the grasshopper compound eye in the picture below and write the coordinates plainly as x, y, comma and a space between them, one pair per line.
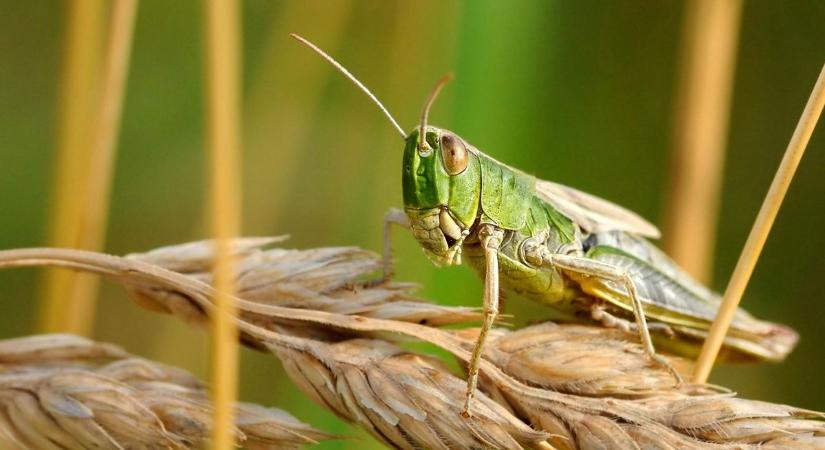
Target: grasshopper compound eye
454, 153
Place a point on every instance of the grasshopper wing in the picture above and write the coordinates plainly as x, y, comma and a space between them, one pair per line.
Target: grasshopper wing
671, 297
592, 213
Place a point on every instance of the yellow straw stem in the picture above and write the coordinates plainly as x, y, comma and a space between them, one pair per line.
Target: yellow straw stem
285, 103
760, 230
95, 209
60, 290
222, 128
702, 113
113, 88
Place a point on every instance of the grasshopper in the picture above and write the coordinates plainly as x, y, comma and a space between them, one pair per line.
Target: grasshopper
582, 255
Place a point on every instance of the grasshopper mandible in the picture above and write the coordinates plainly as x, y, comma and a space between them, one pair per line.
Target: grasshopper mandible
584, 256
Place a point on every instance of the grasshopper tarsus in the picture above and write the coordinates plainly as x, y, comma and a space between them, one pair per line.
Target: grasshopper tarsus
664, 363
600, 315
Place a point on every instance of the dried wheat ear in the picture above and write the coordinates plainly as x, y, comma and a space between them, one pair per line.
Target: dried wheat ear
544, 386
60, 391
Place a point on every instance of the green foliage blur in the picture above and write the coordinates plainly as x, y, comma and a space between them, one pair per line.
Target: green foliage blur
577, 92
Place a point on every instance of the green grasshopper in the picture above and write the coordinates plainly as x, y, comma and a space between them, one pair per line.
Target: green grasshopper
584, 256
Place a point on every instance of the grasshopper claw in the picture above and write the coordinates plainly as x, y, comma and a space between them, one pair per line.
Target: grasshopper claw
661, 361
468, 400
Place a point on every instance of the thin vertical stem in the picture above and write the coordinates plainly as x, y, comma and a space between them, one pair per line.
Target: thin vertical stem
223, 124
113, 89
761, 228
703, 108
59, 288
285, 103
95, 209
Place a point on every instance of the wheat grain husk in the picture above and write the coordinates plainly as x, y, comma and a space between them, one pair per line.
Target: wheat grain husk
61, 391
544, 386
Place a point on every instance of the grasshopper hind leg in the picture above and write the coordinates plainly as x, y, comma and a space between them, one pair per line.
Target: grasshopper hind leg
597, 269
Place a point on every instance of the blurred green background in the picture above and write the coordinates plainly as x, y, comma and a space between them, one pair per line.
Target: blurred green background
577, 92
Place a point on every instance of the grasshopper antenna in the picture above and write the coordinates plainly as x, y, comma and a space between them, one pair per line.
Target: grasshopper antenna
352, 78
425, 112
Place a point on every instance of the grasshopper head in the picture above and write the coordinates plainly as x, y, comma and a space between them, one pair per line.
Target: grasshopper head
441, 177
442, 187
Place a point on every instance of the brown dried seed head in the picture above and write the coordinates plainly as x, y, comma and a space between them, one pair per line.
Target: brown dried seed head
66, 392
583, 360
635, 401
407, 401
729, 419
587, 386
333, 279
61, 347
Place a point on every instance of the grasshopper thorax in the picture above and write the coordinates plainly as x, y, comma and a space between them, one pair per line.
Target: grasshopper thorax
442, 188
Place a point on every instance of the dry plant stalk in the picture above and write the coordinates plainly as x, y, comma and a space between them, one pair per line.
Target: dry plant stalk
702, 111
294, 116
78, 97
79, 310
761, 227
62, 391
222, 69
544, 386
84, 180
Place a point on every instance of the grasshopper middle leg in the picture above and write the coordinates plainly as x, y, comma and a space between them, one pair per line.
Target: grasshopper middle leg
589, 267
491, 238
599, 314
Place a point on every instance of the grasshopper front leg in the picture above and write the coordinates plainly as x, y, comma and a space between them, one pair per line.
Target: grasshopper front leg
592, 268
393, 216
490, 237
